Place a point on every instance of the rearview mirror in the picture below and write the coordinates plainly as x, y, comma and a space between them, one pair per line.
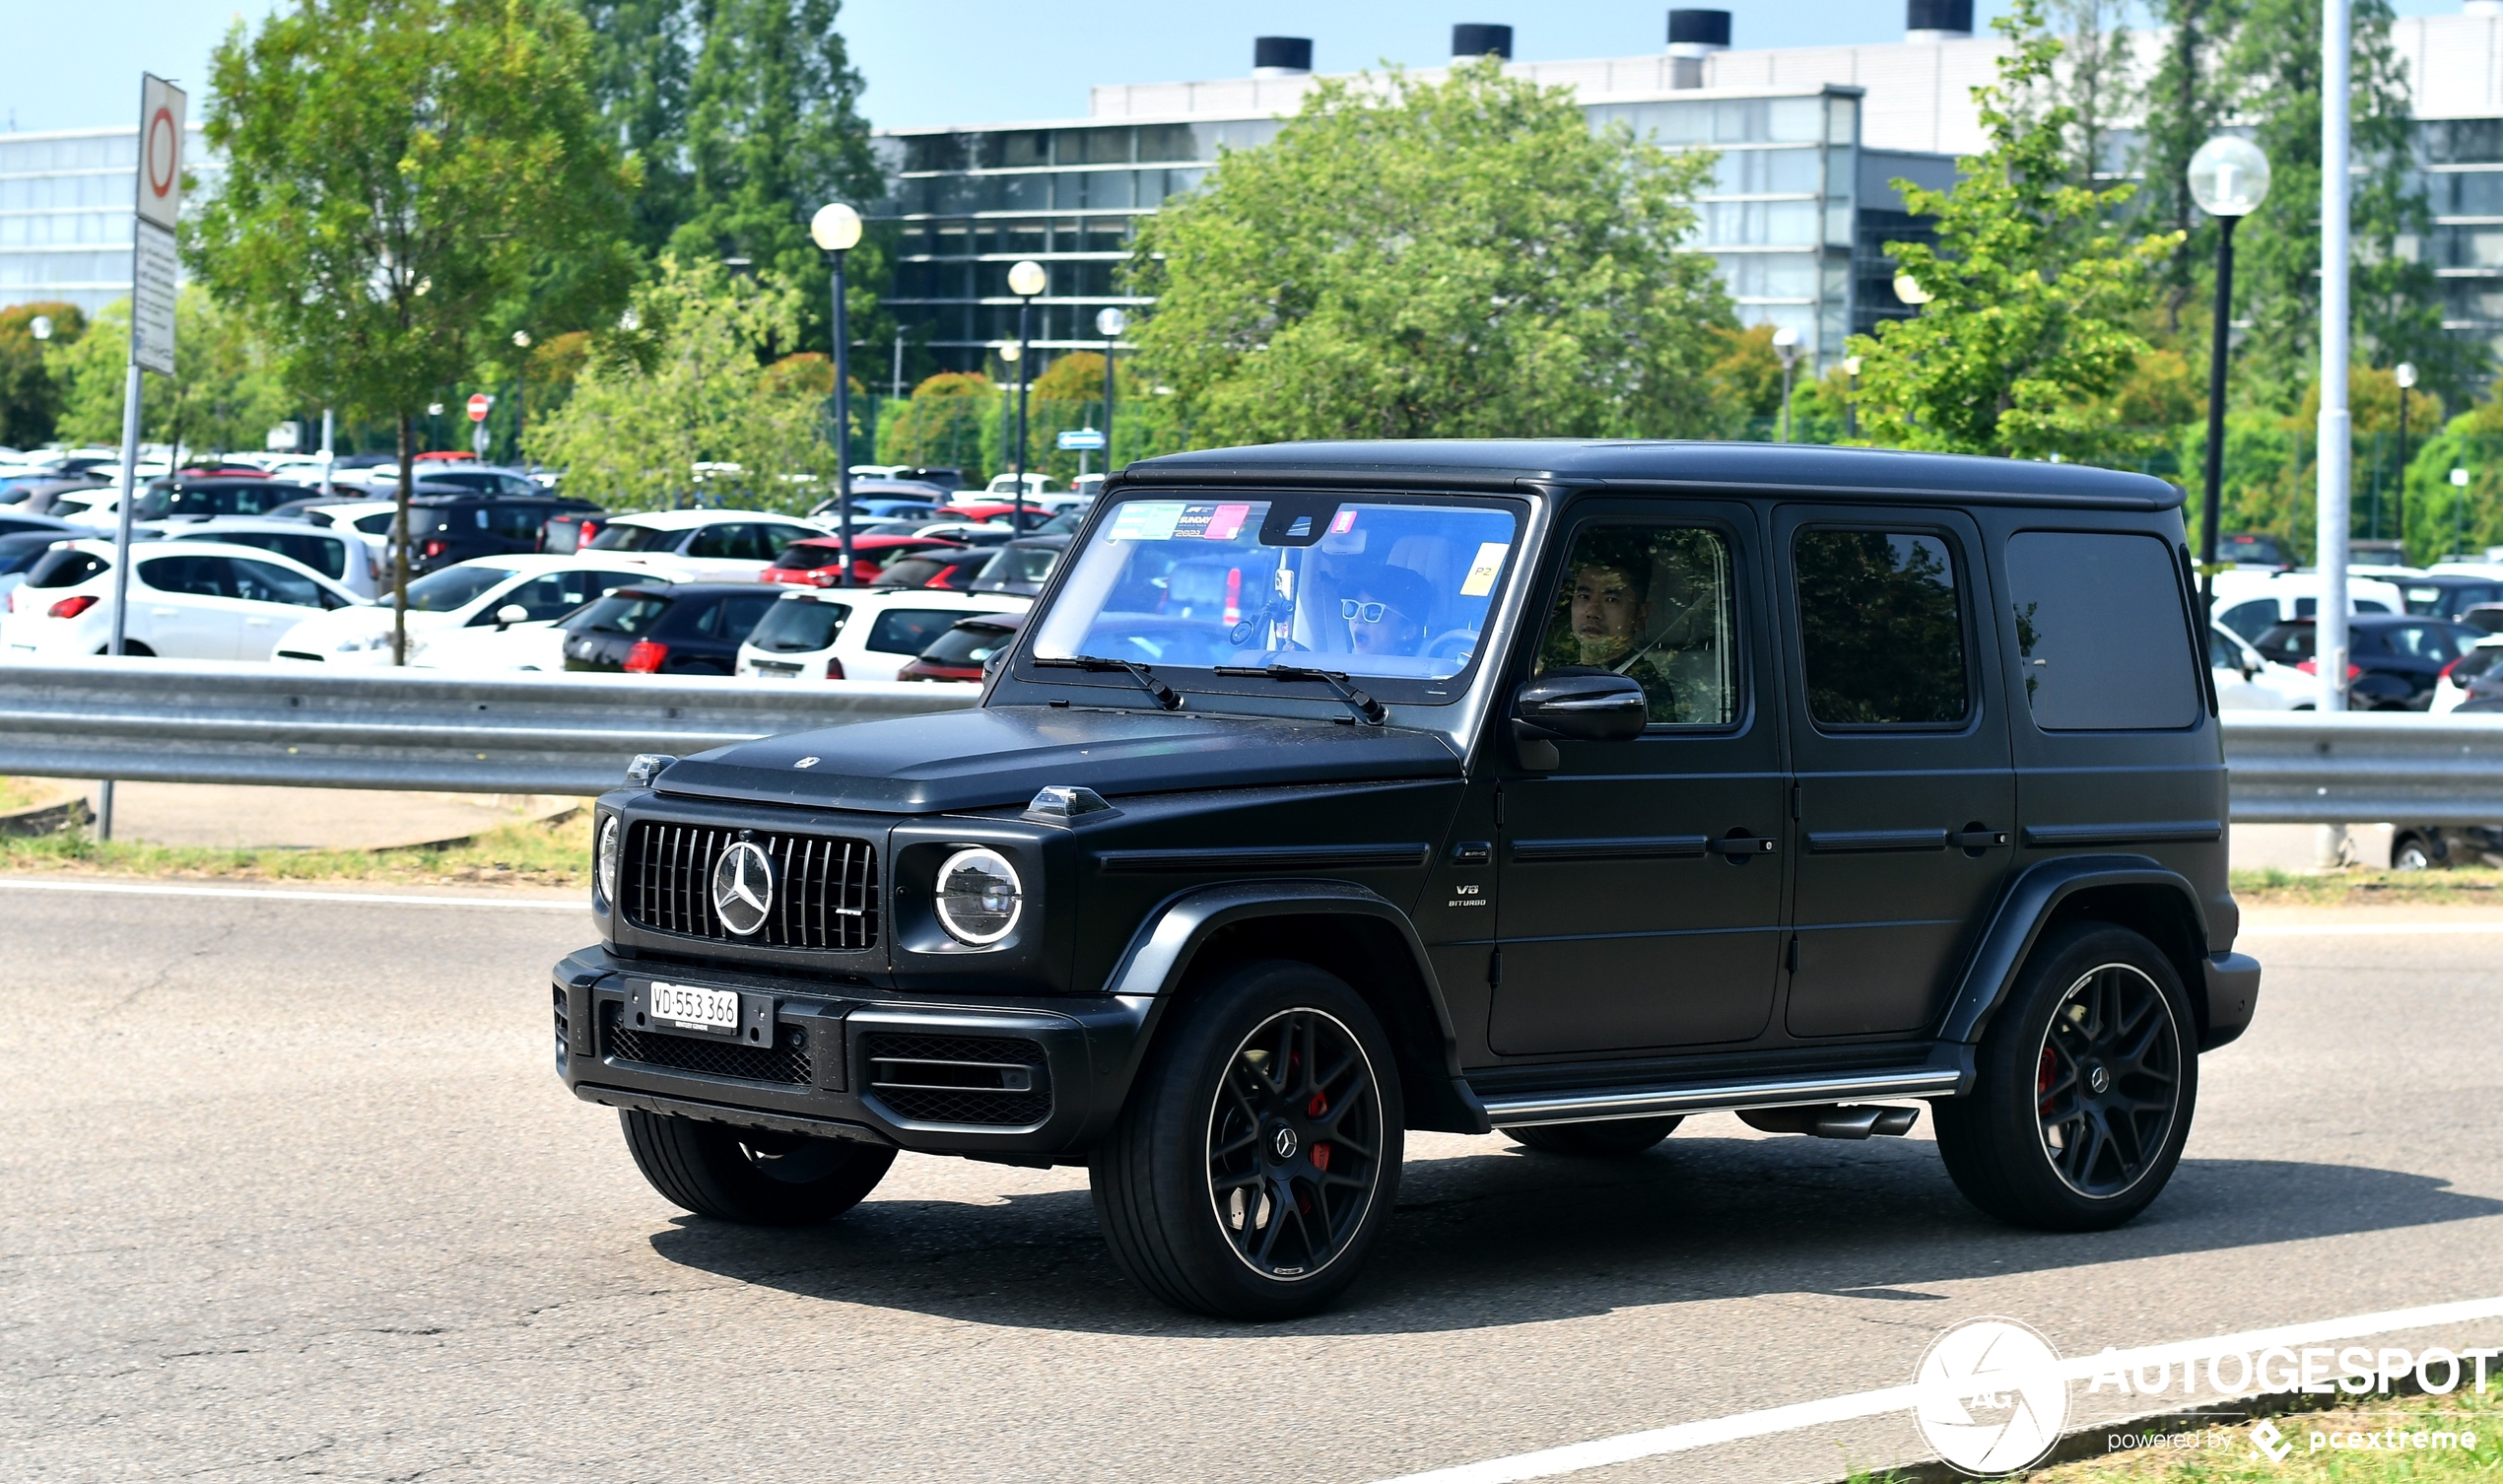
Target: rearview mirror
511, 613
1581, 705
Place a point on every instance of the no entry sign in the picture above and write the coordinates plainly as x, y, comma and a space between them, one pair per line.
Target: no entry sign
479, 402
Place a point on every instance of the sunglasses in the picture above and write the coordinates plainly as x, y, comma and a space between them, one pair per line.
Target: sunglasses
1362, 613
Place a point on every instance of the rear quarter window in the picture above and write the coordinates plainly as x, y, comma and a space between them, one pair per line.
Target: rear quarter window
2102, 636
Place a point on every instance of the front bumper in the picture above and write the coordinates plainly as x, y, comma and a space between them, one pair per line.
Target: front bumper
1032, 1079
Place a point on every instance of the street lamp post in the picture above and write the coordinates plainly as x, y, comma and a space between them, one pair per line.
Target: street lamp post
1025, 280
836, 229
1851, 398
2460, 511
2404, 374
1109, 322
2229, 178
1786, 344
520, 388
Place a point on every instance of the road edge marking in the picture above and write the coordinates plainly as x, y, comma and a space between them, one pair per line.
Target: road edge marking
2360, 929
1683, 1436
255, 894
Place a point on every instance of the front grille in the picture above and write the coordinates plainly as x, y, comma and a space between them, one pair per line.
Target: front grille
825, 894
785, 1062
999, 1082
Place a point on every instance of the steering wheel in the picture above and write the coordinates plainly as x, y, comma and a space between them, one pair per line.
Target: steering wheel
1455, 644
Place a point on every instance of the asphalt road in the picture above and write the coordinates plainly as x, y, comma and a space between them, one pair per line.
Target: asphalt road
288, 1189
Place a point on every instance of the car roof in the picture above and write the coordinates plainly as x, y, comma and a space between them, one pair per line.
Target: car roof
679, 520
257, 524
899, 597
532, 563
1860, 475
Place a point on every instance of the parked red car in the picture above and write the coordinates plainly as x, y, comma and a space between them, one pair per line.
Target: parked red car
818, 562
950, 570
960, 652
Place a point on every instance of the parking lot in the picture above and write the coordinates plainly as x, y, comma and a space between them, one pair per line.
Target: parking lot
295, 1193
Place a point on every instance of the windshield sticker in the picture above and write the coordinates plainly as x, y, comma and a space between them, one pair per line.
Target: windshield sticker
1343, 524
1225, 522
1146, 520
1481, 572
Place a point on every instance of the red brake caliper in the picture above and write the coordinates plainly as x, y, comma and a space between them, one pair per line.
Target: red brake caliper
1313, 1109
2043, 1078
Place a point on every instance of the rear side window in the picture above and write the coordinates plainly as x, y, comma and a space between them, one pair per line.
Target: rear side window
2251, 619
968, 644
2101, 632
628, 538
910, 631
199, 576
627, 613
2286, 643
1882, 628
734, 541
65, 567
268, 582
734, 618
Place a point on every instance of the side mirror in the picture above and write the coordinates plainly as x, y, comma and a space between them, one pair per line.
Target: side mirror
1586, 706
511, 613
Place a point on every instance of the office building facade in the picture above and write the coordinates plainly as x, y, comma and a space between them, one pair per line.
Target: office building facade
66, 199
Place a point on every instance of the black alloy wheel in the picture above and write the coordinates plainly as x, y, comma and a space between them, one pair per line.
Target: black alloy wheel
1295, 1144
1257, 1160
2084, 1086
2108, 1080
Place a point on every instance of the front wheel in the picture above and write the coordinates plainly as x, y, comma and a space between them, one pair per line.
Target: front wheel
1258, 1157
1615, 1138
2412, 852
751, 1175
2086, 1082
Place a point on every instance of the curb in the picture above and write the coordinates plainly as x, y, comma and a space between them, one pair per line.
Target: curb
48, 817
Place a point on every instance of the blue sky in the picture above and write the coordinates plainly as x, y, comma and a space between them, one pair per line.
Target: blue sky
970, 61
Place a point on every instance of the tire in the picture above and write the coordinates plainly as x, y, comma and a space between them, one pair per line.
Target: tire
2412, 852
2036, 1142
1242, 1192
1612, 1138
751, 1176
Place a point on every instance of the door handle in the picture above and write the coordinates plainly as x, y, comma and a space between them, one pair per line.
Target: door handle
1976, 838
162, 612
1738, 847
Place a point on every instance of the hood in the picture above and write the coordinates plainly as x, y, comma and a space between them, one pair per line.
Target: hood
994, 756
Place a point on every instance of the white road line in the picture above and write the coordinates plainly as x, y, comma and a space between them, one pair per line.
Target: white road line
1627, 1448
2361, 929
254, 893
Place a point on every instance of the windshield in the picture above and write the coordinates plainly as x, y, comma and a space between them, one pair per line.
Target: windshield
453, 587
1384, 588
628, 538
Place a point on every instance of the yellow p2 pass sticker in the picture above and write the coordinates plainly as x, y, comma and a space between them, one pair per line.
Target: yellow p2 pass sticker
1481, 572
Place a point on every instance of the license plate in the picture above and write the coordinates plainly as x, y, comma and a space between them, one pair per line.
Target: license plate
765, 671
691, 1007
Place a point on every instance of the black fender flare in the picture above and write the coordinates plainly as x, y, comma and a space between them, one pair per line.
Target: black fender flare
2026, 906
1160, 954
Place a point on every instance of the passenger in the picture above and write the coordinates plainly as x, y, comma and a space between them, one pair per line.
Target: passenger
1387, 608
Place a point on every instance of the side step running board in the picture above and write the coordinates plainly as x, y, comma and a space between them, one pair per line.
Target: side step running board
1591, 1104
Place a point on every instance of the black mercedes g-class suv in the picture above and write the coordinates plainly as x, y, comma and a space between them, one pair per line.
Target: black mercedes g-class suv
1558, 788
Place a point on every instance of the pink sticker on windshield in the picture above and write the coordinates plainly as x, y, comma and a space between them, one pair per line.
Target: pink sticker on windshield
1225, 522
1345, 522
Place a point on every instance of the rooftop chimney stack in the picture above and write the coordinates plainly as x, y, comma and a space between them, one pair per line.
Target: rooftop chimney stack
1469, 42
1938, 19
1694, 35
1281, 56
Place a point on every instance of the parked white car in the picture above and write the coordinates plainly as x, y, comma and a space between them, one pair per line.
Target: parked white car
508, 644
188, 600
2252, 602
344, 557
2249, 681
473, 593
2453, 688
833, 634
700, 546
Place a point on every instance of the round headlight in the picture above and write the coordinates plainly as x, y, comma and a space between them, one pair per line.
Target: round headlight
978, 896
605, 860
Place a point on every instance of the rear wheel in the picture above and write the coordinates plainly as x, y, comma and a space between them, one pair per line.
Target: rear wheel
2086, 1082
2412, 853
1614, 1138
1258, 1158
751, 1175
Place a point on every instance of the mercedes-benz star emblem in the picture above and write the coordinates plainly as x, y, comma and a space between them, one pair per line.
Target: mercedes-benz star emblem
743, 888
1284, 1142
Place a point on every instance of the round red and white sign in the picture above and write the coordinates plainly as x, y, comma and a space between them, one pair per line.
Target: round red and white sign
165, 152
479, 402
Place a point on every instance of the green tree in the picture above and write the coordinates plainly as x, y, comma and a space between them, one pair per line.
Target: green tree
2096, 81
684, 406
29, 396
642, 56
774, 132
941, 424
225, 392
2187, 102
1414, 259
2272, 75
2029, 328
398, 171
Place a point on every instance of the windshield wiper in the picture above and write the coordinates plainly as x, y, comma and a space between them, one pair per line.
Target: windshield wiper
1365, 706
1164, 694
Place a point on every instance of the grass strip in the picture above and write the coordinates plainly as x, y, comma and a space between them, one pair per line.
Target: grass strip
2358, 886
523, 854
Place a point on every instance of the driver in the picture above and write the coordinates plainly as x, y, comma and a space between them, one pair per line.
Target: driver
1386, 608
1605, 612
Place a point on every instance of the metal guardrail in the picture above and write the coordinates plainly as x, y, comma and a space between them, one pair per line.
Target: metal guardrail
197, 721
2304, 768
205, 722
